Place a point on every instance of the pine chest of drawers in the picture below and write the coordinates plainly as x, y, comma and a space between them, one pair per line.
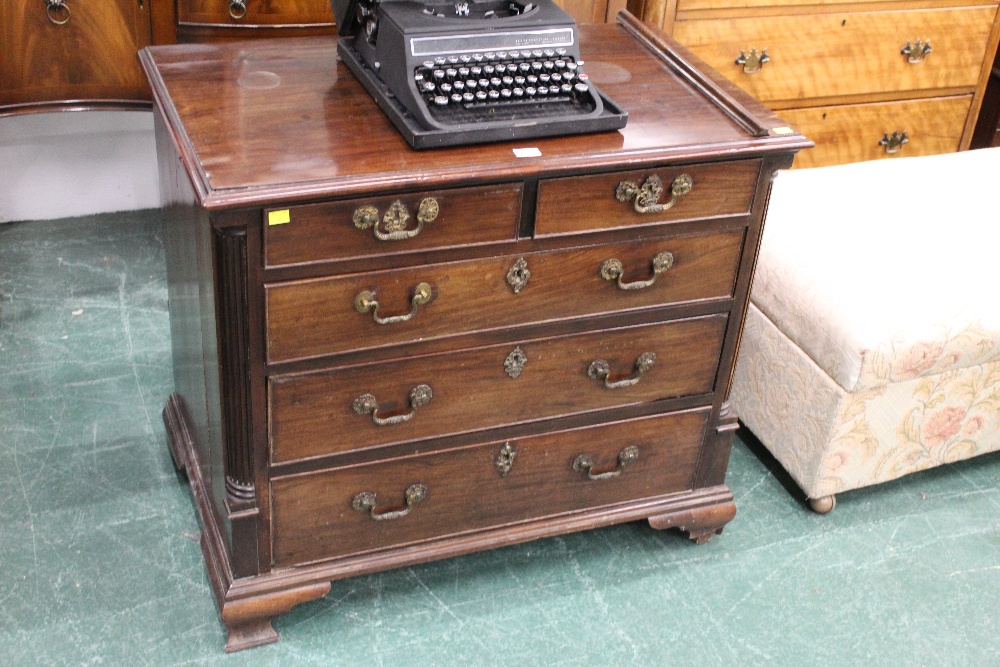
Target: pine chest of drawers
863, 80
383, 357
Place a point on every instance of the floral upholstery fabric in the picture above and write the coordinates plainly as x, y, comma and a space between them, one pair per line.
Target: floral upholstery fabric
879, 276
872, 344
831, 440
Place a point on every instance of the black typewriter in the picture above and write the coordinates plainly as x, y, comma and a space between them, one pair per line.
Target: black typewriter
449, 73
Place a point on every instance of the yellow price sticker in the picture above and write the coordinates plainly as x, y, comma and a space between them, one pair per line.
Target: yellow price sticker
281, 217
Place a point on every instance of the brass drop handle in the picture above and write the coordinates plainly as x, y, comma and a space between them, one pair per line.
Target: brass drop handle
916, 50
893, 143
57, 11
365, 301
367, 404
612, 269
366, 500
646, 197
600, 370
753, 60
584, 463
237, 9
395, 219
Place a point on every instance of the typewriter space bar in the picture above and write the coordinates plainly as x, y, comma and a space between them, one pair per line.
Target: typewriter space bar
515, 103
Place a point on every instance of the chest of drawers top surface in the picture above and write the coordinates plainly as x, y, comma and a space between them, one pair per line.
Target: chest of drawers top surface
253, 122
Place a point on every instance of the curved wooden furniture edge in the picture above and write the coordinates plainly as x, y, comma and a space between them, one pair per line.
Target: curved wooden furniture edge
752, 116
700, 523
249, 620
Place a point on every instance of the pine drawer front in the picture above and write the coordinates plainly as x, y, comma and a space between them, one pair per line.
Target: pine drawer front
327, 514
850, 133
607, 201
469, 390
388, 225
319, 317
845, 53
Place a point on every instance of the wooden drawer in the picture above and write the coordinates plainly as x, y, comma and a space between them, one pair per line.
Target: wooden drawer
466, 490
318, 317
317, 414
257, 12
328, 230
851, 133
845, 53
90, 57
585, 203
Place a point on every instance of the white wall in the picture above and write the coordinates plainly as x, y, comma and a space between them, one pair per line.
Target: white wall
71, 163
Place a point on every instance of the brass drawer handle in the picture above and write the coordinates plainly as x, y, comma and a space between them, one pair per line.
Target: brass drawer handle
753, 61
916, 51
365, 502
365, 301
367, 404
647, 196
600, 370
237, 9
57, 11
584, 463
395, 219
893, 143
612, 269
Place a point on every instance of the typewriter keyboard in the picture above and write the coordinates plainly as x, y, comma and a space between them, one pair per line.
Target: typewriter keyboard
507, 85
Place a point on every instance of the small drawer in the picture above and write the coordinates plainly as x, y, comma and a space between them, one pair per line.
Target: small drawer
319, 317
369, 507
380, 226
254, 12
628, 198
469, 390
856, 132
844, 53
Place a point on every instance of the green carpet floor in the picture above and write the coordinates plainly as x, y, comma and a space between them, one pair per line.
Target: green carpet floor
99, 563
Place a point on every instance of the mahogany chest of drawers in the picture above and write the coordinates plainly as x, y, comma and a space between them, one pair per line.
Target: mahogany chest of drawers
383, 356
865, 81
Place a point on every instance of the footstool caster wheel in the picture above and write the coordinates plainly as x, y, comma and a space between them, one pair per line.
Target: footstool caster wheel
823, 505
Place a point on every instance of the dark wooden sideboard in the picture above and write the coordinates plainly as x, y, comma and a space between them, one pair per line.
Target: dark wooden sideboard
81, 54
384, 357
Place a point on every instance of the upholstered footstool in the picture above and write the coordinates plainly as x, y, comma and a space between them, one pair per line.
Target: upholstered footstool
872, 344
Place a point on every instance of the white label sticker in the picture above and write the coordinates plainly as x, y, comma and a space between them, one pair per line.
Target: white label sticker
527, 152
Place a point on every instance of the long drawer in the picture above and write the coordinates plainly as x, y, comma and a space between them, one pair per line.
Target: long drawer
318, 317
845, 53
368, 507
851, 133
380, 226
469, 390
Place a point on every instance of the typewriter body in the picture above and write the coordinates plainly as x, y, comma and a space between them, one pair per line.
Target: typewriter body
454, 72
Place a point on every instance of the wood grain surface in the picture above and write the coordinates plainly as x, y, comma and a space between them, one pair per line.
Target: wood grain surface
846, 53
91, 57
851, 133
318, 317
312, 415
583, 203
314, 517
467, 216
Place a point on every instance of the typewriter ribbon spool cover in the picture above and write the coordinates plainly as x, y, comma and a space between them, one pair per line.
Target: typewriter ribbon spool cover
457, 72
